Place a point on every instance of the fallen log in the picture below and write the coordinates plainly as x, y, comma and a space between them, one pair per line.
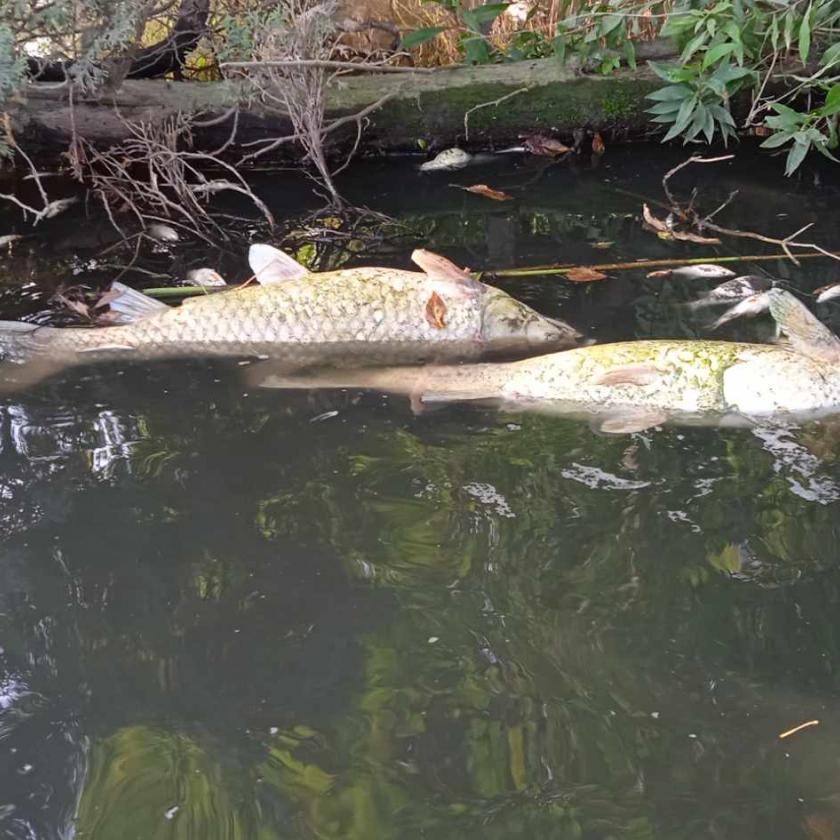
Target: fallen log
474, 106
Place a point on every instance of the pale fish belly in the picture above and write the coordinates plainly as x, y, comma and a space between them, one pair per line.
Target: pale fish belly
781, 383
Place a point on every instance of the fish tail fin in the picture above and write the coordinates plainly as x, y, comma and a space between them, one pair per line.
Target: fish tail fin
127, 305
807, 335
21, 361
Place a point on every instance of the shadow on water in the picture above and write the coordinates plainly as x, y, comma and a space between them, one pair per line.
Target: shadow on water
231, 614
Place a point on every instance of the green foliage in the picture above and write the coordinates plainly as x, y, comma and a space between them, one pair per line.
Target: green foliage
696, 101
728, 45
471, 24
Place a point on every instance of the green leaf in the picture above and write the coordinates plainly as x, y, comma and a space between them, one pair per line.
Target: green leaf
789, 27
804, 47
716, 53
832, 102
476, 50
676, 24
722, 115
693, 45
796, 155
683, 118
670, 107
421, 36
776, 140
831, 55
672, 93
729, 73
630, 54
474, 19
610, 22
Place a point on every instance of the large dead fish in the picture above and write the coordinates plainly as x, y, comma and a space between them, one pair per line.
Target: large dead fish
352, 316
630, 386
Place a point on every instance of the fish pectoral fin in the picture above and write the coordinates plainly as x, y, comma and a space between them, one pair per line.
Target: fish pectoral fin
627, 421
272, 266
107, 348
445, 275
127, 305
807, 336
641, 374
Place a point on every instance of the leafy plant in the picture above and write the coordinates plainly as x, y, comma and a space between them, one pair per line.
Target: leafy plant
696, 101
472, 26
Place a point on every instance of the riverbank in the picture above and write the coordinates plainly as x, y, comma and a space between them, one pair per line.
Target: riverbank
477, 107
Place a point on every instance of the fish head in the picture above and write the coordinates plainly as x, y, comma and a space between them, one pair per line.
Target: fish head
510, 325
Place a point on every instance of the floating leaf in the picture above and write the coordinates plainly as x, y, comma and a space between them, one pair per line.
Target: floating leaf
598, 146
582, 274
603, 245
488, 192
436, 311
540, 144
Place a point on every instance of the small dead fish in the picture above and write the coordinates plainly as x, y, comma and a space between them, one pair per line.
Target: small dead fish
733, 290
162, 233
704, 271
747, 308
827, 292
204, 277
57, 206
448, 159
9, 238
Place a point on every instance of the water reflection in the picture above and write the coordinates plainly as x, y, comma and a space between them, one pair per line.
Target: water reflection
221, 619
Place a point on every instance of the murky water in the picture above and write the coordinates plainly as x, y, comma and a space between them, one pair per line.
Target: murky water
232, 614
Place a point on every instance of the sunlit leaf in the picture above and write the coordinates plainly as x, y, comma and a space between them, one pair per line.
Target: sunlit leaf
582, 274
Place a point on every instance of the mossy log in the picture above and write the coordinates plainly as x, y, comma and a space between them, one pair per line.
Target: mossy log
478, 107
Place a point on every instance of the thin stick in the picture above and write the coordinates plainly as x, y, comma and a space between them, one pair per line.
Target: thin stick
535, 271
490, 105
796, 729
190, 291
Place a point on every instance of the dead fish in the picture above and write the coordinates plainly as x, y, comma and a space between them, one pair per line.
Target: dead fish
747, 308
704, 271
827, 292
447, 160
9, 239
204, 277
733, 291
162, 232
357, 315
57, 206
635, 385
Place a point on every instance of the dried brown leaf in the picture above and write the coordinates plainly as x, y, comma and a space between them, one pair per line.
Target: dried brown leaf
582, 274
539, 144
488, 192
598, 146
436, 311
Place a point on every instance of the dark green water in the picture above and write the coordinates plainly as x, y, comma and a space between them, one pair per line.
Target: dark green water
228, 615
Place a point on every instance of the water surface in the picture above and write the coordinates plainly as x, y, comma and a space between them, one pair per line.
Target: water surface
231, 614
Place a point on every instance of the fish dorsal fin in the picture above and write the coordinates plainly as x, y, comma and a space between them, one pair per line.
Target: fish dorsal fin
271, 266
127, 305
445, 275
807, 336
